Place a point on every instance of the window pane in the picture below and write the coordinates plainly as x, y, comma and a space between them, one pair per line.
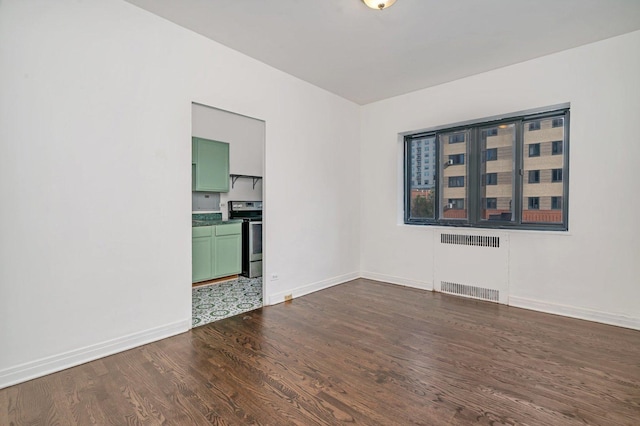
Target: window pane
453, 170
543, 189
497, 171
422, 185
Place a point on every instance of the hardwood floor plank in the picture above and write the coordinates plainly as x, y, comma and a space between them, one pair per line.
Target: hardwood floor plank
364, 353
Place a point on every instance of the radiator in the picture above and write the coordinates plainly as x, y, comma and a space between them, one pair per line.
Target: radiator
472, 264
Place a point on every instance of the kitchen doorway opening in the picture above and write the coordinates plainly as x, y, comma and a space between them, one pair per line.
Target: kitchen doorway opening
228, 156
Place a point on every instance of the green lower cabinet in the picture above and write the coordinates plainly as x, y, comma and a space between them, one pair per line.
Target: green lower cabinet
202, 252
216, 251
227, 260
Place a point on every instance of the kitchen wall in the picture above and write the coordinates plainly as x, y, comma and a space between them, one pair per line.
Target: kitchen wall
95, 176
589, 272
245, 136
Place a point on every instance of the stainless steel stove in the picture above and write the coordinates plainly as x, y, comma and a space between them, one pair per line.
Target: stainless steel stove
251, 214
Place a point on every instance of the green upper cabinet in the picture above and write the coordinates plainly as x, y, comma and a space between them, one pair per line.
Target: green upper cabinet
210, 165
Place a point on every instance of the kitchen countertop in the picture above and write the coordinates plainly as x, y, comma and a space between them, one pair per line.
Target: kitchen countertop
210, 219
195, 223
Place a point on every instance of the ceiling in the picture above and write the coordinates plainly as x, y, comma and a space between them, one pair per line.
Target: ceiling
367, 55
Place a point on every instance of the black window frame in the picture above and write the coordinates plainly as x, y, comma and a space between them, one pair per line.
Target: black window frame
491, 178
475, 204
536, 151
458, 203
456, 138
454, 159
534, 203
556, 175
554, 148
491, 157
457, 180
533, 176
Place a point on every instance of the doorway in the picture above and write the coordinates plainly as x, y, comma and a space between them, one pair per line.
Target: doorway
245, 138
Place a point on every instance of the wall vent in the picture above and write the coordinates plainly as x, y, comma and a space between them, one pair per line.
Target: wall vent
470, 240
470, 291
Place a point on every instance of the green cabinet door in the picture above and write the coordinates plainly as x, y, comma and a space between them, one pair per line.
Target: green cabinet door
211, 165
227, 260
202, 253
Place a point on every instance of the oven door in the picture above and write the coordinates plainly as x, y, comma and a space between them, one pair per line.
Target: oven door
255, 241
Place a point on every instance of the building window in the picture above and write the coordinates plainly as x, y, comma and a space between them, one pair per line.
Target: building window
456, 138
456, 182
556, 147
534, 176
455, 204
492, 178
463, 188
534, 150
456, 159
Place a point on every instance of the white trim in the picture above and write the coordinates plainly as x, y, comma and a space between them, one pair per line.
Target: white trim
33, 369
276, 298
422, 285
575, 312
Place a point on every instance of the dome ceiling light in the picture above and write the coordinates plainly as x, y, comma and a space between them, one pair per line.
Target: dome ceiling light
379, 4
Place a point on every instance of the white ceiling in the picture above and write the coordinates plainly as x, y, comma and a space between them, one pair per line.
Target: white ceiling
366, 55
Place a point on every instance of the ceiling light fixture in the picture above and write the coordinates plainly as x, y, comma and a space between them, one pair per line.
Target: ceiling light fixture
379, 4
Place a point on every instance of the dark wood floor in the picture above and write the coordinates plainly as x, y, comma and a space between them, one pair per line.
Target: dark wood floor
362, 352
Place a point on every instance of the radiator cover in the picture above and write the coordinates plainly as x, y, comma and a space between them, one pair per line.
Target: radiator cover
473, 264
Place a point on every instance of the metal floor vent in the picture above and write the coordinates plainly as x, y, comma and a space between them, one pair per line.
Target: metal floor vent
470, 291
470, 240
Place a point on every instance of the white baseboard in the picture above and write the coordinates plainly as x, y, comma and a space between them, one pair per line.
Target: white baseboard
276, 298
33, 369
423, 285
575, 312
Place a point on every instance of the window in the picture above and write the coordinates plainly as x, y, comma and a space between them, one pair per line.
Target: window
534, 176
422, 195
456, 159
456, 138
556, 147
534, 150
557, 122
456, 203
468, 186
456, 181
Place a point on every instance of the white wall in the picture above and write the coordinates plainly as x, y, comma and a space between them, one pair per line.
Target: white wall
245, 137
95, 147
590, 272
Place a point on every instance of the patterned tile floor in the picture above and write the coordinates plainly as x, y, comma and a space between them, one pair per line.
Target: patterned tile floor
225, 299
